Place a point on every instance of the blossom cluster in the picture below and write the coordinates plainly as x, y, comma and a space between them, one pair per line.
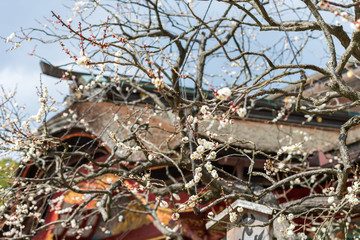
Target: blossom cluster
123, 146
352, 191
47, 103
158, 82
202, 151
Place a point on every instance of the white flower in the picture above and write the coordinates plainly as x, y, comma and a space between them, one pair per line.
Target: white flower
163, 204
281, 165
210, 215
73, 223
209, 145
185, 139
182, 207
190, 119
204, 109
240, 209
190, 1
331, 200
151, 157
291, 227
10, 37
281, 218
241, 112
195, 155
208, 166
197, 178
175, 216
290, 232
82, 61
232, 217
200, 149
158, 82
190, 184
116, 117
198, 170
290, 216
214, 174
212, 155
193, 198
224, 93
117, 56
176, 196
302, 236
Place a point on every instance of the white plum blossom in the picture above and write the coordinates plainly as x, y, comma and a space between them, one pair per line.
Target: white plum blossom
190, 184
214, 174
291, 148
185, 139
197, 178
195, 155
200, 149
233, 217
208, 145
175, 216
331, 200
212, 155
117, 56
281, 218
241, 112
224, 93
191, 204
281, 165
351, 195
10, 37
158, 82
290, 230
73, 223
204, 109
208, 166
193, 198
302, 236
190, 119
163, 204
116, 117
83, 61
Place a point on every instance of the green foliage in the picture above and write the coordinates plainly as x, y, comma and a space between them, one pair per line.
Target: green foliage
7, 170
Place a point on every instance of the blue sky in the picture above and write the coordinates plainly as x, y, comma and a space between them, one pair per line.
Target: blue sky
20, 70
17, 67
